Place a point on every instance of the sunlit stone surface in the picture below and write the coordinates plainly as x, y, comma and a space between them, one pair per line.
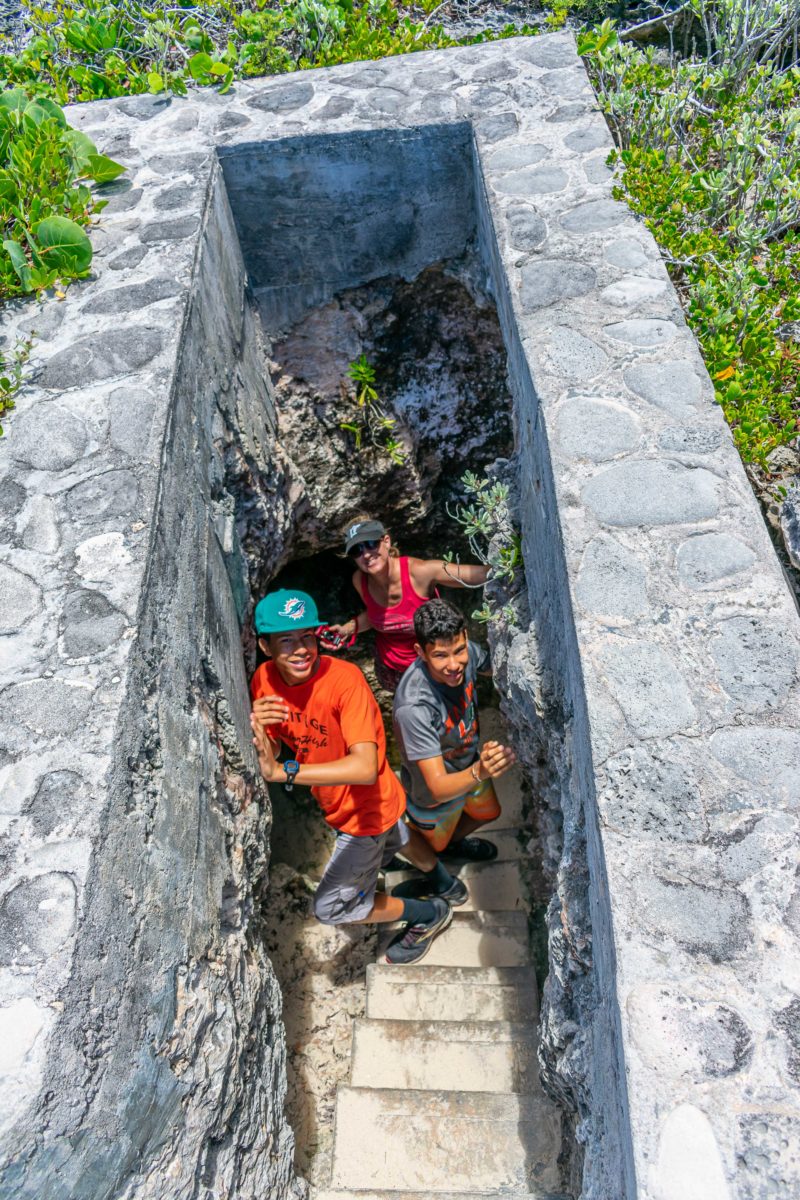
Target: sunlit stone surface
144, 1051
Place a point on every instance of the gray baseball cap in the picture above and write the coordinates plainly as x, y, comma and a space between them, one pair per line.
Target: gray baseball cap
363, 531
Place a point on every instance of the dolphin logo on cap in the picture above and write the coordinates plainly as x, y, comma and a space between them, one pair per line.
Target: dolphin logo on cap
294, 608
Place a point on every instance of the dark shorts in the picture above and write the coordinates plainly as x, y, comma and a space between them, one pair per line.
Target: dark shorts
387, 677
346, 891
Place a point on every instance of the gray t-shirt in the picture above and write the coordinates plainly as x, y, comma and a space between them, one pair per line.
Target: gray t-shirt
431, 719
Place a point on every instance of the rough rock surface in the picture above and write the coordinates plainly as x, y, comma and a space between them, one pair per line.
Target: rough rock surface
790, 522
777, 487
143, 1010
439, 364
149, 1055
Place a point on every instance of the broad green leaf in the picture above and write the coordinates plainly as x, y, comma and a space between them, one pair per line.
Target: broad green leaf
200, 65
63, 244
195, 38
83, 148
102, 169
155, 82
18, 261
36, 112
51, 109
14, 100
8, 186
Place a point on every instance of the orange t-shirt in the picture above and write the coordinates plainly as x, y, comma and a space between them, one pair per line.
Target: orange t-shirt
332, 712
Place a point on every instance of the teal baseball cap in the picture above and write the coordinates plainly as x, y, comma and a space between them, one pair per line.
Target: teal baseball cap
284, 610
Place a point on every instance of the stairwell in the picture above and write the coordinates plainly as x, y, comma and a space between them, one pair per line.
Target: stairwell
444, 1096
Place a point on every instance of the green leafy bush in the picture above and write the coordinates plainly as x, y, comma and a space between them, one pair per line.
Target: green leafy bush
99, 49
45, 206
45, 202
709, 155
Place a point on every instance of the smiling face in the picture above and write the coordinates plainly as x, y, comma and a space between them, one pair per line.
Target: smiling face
295, 654
446, 659
373, 555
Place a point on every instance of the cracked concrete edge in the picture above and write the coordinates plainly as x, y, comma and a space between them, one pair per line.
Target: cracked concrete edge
671, 640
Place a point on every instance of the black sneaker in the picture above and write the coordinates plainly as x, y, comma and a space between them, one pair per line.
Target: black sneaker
420, 889
398, 864
415, 940
470, 849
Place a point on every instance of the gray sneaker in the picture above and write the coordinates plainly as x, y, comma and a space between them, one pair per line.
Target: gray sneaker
414, 942
420, 889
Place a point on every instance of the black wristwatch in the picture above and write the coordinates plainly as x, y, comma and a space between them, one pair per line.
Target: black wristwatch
291, 767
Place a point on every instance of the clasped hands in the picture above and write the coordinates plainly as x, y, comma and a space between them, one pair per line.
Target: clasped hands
494, 760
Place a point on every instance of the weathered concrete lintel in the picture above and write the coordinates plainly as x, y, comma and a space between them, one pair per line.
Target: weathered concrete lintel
658, 602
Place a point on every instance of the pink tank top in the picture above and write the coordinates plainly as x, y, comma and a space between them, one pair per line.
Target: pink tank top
394, 637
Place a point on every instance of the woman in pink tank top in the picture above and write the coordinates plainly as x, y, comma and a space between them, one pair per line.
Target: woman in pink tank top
392, 588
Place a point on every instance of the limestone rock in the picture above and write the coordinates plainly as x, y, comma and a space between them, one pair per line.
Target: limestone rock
435, 352
790, 523
36, 917
783, 460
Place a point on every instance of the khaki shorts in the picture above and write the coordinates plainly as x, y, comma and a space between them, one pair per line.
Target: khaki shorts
438, 824
346, 891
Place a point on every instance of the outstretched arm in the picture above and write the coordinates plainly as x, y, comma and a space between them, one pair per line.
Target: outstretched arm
428, 573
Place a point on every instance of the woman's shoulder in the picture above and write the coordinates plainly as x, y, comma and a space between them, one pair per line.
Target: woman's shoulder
424, 569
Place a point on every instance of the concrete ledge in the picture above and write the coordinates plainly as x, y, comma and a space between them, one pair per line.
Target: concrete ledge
660, 668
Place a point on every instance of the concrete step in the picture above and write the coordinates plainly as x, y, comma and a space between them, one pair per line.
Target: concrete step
428, 993
444, 1141
492, 887
466, 1056
476, 940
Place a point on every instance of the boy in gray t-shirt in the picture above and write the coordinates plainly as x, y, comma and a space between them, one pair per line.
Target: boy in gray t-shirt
448, 781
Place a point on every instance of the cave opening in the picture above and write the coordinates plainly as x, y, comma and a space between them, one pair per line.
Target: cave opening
367, 252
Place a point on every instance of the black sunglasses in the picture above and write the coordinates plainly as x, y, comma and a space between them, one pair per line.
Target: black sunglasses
359, 548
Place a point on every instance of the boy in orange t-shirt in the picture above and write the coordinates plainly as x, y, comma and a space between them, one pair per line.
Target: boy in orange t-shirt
323, 710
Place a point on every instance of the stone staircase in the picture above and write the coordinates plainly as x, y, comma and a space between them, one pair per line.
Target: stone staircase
444, 1099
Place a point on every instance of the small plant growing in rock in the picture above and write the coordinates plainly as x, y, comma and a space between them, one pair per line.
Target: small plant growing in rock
493, 539
370, 422
11, 365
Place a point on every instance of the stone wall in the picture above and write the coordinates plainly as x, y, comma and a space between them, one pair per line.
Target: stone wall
164, 1070
345, 207
537, 668
658, 674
